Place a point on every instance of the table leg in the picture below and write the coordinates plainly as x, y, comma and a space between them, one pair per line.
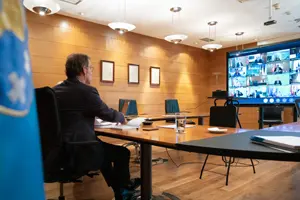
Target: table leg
295, 114
146, 176
146, 171
261, 117
200, 121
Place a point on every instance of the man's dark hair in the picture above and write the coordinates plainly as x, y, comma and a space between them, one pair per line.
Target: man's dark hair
75, 63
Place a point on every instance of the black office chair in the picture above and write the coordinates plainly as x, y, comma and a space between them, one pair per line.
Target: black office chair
224, 116
59, 158
272, 115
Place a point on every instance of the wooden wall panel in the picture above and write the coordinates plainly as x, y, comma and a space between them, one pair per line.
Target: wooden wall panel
184, 70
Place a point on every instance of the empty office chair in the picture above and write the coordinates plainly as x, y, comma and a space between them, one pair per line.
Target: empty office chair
171, 107
59, 158
272, 115
129, 107
224, 116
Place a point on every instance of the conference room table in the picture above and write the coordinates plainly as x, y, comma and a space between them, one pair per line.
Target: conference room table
154, 118
163, 137
234, 143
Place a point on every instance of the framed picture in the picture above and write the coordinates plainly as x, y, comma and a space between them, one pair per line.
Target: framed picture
107, 71
133, 74
155, 76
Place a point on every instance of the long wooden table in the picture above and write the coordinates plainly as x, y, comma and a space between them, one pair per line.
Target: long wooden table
234, 143
154, 118
163, 138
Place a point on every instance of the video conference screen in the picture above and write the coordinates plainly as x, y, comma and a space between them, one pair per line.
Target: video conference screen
266, 75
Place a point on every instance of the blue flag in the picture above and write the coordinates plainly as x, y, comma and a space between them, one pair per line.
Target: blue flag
20, 153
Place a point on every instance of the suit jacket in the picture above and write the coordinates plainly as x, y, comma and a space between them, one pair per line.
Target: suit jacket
79, 104
277, 82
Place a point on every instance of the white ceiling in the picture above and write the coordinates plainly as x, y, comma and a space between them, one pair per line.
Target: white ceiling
153, 17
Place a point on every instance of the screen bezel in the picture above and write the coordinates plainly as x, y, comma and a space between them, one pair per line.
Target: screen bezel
256, 50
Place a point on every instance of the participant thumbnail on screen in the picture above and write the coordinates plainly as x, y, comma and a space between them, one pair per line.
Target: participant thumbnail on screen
295, 78
238, 62
237, 72
279, 91
295, 66
255, 69
257, 58
238, 82
295, 90
278, 55
257, 92
256, 80
238, 92
282, 79
278, 68
295, 53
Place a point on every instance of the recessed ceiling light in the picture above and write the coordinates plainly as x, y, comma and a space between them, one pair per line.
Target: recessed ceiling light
239, 33
175, 9
212, 23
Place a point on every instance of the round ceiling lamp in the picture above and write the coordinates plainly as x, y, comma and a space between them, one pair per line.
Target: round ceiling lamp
212, 47
42, 7
212, 37
121, 27
176, 38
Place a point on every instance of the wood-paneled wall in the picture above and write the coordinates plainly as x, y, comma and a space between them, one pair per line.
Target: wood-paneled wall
217, 64
186, 72
183, 69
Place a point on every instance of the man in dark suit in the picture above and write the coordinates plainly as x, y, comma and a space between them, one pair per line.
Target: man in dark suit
278, 81
79, 104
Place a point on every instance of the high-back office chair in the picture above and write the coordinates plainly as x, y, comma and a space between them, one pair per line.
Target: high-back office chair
224, 116
129, 107
56, 165
171, 107
272, 115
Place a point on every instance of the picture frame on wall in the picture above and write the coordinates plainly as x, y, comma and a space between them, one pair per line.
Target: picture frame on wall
133, 74
107, 71
154, 76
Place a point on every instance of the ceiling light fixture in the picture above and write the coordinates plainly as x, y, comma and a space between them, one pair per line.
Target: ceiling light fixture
175, 9
212, 37
42, 7
238, 34
175, 38
122, 26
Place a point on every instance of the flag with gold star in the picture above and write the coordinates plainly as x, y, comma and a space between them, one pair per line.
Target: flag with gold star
20, 153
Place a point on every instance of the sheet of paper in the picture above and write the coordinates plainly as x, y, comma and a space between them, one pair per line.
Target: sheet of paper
287, 140
136, 122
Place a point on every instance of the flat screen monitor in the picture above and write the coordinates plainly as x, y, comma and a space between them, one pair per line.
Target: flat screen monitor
265, 75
